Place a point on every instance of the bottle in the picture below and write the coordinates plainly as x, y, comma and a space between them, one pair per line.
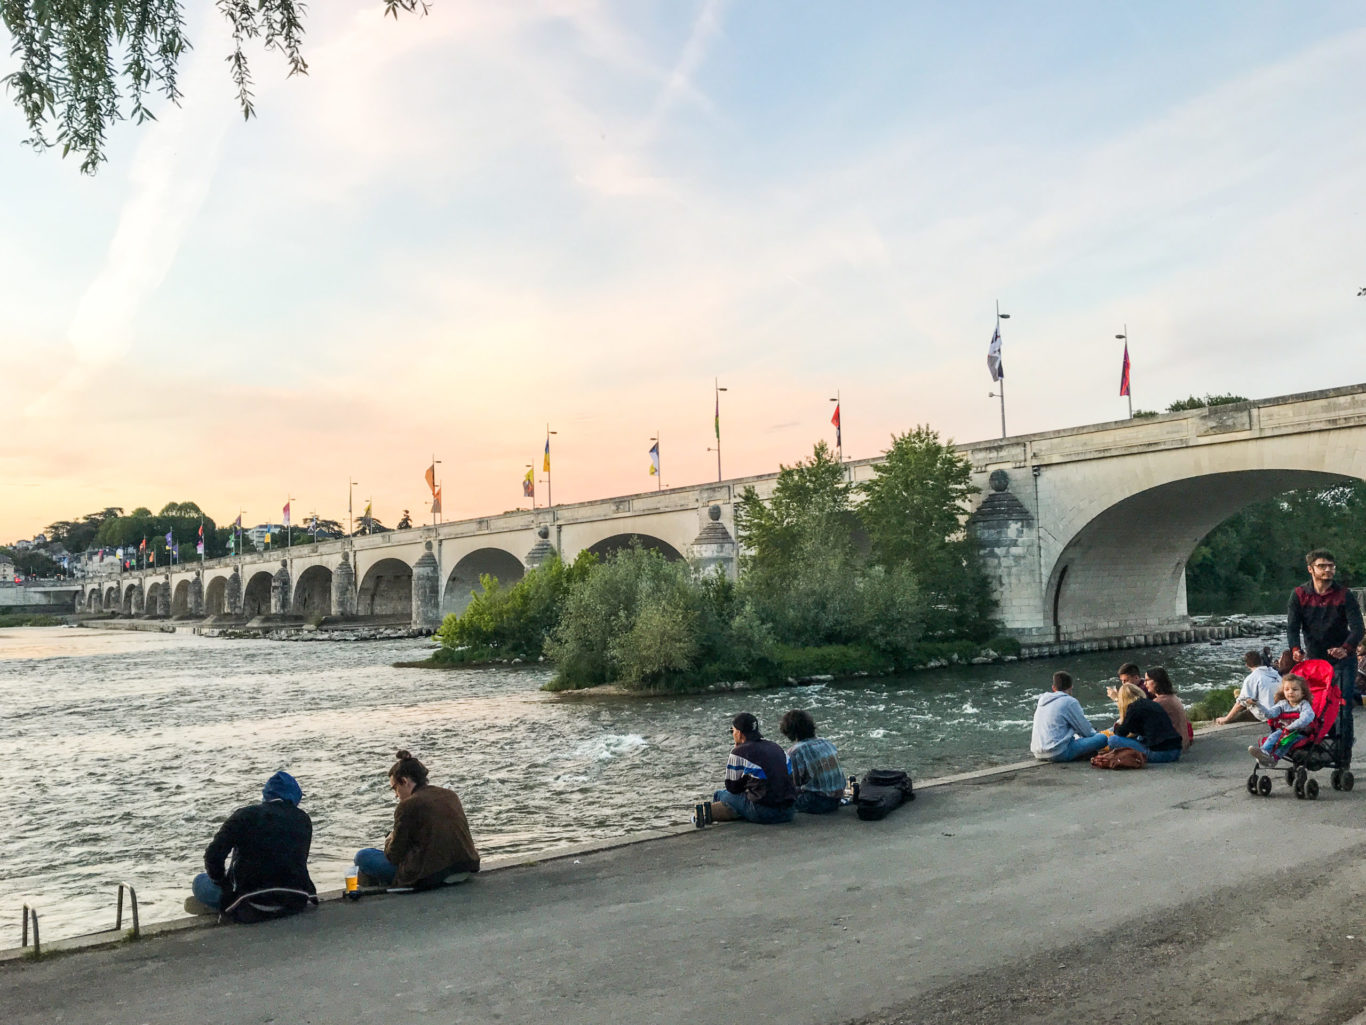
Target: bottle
853, 789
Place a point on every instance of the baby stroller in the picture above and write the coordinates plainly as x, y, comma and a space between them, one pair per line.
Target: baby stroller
1322, 746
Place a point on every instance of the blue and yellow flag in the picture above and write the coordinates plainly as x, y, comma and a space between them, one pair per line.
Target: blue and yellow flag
654, 459
546, 465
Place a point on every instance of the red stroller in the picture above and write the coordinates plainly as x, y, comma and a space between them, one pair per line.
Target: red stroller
1320, 746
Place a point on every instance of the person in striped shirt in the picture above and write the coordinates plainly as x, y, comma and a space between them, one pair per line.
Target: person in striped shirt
758, 783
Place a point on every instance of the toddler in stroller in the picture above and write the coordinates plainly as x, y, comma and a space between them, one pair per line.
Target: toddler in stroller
1306, 746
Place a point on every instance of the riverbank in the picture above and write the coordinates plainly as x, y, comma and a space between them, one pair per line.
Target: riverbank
920, 917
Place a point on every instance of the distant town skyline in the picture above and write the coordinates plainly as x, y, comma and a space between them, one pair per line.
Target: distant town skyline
458, 228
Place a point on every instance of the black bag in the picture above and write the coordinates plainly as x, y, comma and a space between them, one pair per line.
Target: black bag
882, 790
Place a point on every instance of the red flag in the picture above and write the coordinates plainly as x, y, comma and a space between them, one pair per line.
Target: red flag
436, 500
836, 421
142, 545
1124, 375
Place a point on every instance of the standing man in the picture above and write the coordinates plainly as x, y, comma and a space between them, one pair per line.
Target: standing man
758, 778
1326, 617
1062, 733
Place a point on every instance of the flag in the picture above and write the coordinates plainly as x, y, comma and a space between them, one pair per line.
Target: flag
430, 477
142, 545
436, 501
546, 465
232, 543
1124, 374
994, 355
238, 524
313, 526
267, 537
169, 542
286, 522
101, 555
175, 551
119, 553
366, 514
529, 483
654, 459
716, 420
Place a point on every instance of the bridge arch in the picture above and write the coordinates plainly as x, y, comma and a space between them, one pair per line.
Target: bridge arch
111, 598
216, 597
609, 546
180, 599
1124, 570
256, 597
386, 591
92, 600
132, 600
313, 593
464, 576
152, 598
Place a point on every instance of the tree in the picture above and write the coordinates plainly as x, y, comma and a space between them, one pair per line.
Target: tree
76, 59
914, 509
1196, 402
79, 535
405, 522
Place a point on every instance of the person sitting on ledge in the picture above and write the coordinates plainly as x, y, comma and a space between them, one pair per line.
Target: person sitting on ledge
430, 844
1159, 685
1145, 726
1258, 691
758, 778
1128, 673
816, 771
268, 873
1062, 733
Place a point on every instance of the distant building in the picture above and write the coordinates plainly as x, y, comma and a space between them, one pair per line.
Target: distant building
258, 533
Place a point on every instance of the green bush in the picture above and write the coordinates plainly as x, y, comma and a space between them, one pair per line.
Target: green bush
29, 619
1212, 705
791, 661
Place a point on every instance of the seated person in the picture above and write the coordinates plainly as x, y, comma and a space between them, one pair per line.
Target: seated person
1062, 733
268, 873
758, 778
1292, 713
1258, 691
1128, 673
816, 771
1145, 726
430, 844
1159, 685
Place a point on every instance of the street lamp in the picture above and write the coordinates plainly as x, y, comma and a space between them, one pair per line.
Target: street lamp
549, 488
1124, 374
717, 423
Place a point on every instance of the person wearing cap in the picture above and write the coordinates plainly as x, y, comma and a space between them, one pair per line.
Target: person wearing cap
758, 778
257, 864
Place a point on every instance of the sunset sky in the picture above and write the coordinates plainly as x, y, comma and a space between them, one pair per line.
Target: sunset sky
458, 228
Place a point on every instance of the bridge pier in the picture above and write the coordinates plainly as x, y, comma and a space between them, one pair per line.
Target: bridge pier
344, 588
232, 594
426, 591
280, 591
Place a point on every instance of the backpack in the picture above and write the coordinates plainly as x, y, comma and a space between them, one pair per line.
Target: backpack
881, 791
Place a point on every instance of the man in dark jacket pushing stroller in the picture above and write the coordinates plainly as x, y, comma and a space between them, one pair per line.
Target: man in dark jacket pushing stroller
1324, 621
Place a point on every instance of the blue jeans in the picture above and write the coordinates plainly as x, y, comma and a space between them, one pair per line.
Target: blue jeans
206, 891
1079, 747
1345, 676
751, 812
373, 863
815, 803
1155, 757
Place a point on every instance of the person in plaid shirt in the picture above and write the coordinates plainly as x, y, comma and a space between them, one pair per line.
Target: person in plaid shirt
816, 768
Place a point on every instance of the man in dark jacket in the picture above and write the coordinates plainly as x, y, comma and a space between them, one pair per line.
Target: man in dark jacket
758, 778
268, 844
1324, 621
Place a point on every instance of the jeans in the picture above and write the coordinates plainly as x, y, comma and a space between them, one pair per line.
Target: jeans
1345, 676
1272, 739
751, 812
206, 891
1155, 757
815, 803
1079, 747
374, 864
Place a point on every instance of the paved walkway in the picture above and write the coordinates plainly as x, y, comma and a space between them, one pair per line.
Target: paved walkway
821, 922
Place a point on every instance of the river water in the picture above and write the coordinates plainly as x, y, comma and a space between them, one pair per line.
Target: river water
121, 752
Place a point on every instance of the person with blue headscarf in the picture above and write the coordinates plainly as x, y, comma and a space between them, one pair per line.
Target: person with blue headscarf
257, 864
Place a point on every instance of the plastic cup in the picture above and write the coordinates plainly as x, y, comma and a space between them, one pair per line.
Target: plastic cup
352, 879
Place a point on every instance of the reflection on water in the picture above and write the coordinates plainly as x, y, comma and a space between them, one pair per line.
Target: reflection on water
121, 752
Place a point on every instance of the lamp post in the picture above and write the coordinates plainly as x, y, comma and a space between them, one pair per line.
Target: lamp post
658, 462
999, 375
1125, 390
289, 523
549, 488
350, 509
717, 389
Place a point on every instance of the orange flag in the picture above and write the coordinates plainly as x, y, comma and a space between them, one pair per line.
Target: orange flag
436, 500
430, 476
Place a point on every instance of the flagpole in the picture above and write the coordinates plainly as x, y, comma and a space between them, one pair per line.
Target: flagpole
839, 427
289, 523
716, 422
549, 487
1128, 386
1001, 381
350, 510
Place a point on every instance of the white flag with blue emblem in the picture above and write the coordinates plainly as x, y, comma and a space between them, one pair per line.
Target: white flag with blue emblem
994, 355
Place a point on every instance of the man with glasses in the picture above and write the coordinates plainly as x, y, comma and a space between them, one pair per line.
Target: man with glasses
1325, 616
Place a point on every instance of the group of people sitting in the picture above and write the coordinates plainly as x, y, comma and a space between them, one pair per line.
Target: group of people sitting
1152, 720
257, 864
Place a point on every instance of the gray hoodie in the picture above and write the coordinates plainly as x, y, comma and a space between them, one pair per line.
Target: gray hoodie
1057, 720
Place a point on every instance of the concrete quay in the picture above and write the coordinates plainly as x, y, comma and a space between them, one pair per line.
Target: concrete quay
1024, 894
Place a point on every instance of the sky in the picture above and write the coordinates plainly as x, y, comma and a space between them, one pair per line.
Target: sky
459, 231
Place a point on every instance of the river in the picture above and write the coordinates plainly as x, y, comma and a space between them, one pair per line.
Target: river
121, 752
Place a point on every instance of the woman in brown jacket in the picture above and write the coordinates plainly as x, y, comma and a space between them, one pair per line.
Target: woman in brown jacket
430, 844
1159, 684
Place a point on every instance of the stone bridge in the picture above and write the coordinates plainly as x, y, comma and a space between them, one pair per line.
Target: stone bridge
1085, 531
